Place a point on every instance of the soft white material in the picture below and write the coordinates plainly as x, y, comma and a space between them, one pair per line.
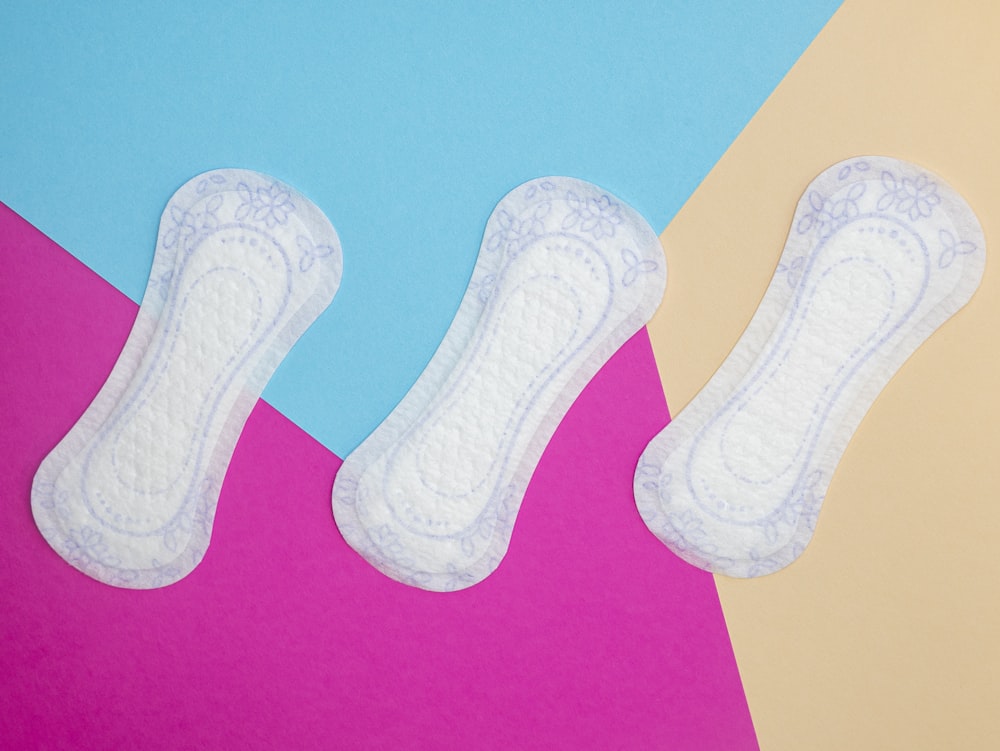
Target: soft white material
243, 265
565, 275
880, 253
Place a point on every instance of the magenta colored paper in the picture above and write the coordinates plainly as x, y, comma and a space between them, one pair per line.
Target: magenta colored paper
589, 635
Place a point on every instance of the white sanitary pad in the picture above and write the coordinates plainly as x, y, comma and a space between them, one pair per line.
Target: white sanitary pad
565, 275
879, 255
243, 266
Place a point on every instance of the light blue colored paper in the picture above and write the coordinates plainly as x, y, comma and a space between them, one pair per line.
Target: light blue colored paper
404, 122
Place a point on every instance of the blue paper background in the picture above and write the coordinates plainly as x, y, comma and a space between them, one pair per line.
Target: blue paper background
406, 122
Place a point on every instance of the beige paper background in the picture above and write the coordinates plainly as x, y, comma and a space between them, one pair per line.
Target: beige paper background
884, 634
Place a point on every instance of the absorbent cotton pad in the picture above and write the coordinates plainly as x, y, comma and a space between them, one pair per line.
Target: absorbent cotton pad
565, 275
243, 265
879, 255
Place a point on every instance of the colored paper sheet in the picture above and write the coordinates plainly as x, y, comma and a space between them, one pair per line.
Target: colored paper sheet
883, 635
405, 123
587, 635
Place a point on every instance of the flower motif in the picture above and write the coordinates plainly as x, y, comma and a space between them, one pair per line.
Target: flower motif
845, 207
271, 204
952, 248
516, 232
688, 527
597, 216
89, 544
915, 198
312, 252
634, 267
386, 540
826, 215
818, 217
182, 229
188, 225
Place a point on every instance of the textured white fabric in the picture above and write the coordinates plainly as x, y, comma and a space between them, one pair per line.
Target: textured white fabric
879, 255
565, 275
243, 265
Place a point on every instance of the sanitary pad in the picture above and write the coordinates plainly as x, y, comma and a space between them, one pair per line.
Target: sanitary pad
565, 275
243, 265
879, 255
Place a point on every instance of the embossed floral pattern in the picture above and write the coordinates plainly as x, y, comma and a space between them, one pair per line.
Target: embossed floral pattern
311, 252
689, 528
951, 248
540, 260
595, 216
86, 542
138, 533
635, 266
188, 225
516, 232
182, 229
271, 204
828, 215
915, 197
892, 220
386, 540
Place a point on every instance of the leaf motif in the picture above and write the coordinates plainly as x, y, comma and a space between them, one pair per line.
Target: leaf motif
816, 200
856, 191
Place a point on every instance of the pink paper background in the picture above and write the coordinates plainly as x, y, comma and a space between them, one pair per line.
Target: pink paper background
590, 635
